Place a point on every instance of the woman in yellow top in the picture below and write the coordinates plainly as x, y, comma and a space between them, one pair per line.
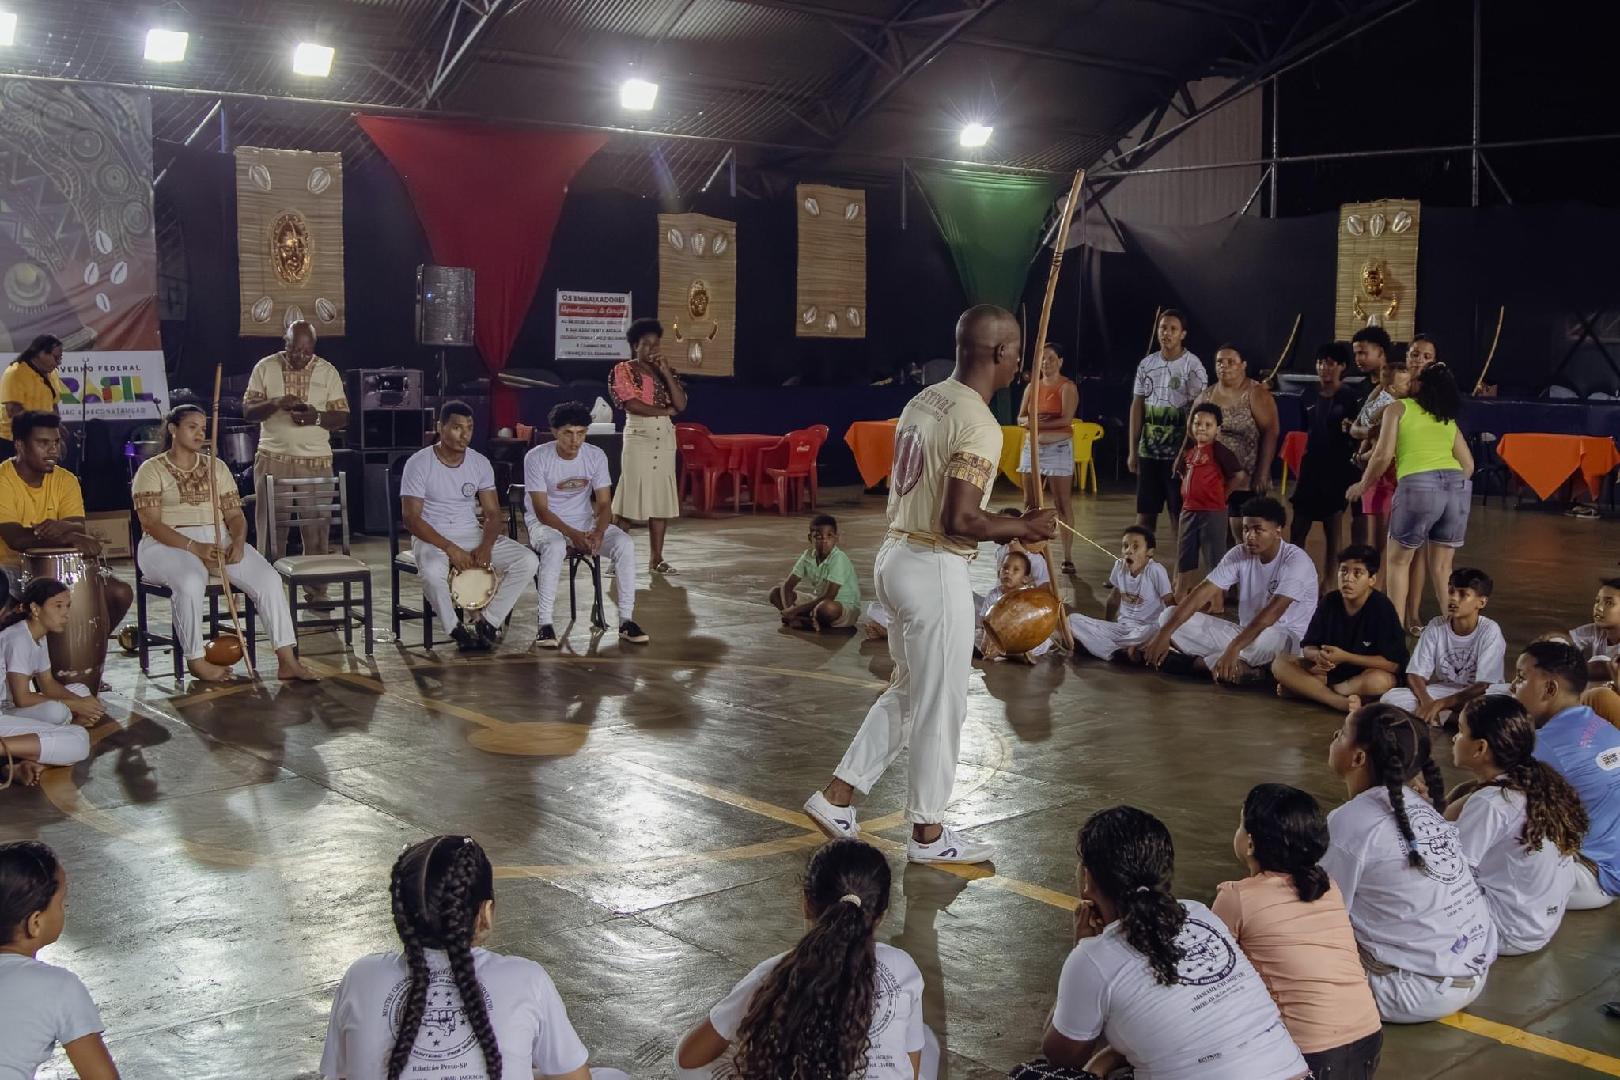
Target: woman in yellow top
29, 384
1434, 489
181, 544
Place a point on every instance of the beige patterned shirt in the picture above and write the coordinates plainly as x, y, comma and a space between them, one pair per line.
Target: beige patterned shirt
945, 431
181, 495
317, 383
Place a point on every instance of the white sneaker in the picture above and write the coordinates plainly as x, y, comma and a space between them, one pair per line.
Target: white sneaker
837, 822
952, 846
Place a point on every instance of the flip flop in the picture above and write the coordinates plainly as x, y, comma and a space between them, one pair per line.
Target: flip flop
1068, 567
663, 568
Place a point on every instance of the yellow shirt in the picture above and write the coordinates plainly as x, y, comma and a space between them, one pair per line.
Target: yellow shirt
21, 382
182, 496
317, 383
57, 497
945, 431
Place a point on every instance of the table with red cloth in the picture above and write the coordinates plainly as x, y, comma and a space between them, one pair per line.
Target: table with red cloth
1545, 462
1293, 455
745, 452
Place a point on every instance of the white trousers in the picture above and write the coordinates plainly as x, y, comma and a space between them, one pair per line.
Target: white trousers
514, 566
1207, 637
617, 548
1403, 698
931, 633
1587, 895
59, 744
187, 577
49, 711
1102, 638
1405, 998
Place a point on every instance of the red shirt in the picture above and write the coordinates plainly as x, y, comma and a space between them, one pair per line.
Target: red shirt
1204, 472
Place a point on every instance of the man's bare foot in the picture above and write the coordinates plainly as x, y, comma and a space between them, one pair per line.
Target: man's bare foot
207, 672
295, 670
874, 632
26, 773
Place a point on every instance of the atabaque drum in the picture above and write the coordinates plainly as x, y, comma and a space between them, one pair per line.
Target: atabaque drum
79, 653
1022, 619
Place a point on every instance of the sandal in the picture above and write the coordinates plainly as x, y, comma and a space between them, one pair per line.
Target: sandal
662, 567
1068, 567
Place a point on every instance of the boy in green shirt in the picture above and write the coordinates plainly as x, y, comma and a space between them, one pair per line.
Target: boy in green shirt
828, 577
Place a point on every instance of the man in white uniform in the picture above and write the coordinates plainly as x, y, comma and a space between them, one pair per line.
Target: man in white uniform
445, 488
945, 452
571, 507
1277, 594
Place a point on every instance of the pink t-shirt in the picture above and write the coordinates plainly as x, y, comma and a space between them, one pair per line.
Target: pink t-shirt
1306, 953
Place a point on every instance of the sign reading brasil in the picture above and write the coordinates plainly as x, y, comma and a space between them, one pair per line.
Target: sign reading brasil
114, 386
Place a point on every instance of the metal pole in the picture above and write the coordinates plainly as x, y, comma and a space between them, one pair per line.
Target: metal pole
902, 194
1473, 177
191, 138
225, 129
1275, 102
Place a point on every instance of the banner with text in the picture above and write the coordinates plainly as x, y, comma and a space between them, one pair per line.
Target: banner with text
591, 325
114, 386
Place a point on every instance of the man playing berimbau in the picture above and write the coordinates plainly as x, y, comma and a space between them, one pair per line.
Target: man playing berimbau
946, 447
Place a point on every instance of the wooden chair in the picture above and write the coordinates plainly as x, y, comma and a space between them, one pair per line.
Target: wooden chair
320, 500
212, 622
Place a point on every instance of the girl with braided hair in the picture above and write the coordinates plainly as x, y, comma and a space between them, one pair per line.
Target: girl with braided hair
1289, 919
1521, 824
840, 1004
1155, 981
447, 1008
1425, 933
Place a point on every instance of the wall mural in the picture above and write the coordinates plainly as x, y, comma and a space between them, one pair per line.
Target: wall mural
697, 292
289, 239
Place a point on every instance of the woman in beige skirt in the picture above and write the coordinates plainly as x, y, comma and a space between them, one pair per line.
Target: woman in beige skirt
650, 393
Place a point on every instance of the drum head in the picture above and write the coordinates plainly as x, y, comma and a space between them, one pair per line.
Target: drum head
472, 589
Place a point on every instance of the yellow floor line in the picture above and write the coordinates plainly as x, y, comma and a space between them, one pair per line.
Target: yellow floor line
1508, 1035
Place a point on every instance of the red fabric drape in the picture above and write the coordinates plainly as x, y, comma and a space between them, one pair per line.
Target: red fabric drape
489, 198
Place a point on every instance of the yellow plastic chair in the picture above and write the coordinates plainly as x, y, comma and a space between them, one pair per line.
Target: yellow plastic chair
1085, 434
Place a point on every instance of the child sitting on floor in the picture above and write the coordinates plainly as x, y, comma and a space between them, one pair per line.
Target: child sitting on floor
1138, 590
1209, 473
874, 620
840, 1003
27, 687
829, 580
43, 1005
1015, 571
1354, 645
1599, 641
1289, 919
1520, 822
1459, 655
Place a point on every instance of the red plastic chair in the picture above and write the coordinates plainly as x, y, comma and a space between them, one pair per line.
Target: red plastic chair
820, 432
703, 464
791, 465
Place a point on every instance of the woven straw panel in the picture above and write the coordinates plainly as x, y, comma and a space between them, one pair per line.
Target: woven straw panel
289, 240
831, 301
1386, 231
697, 292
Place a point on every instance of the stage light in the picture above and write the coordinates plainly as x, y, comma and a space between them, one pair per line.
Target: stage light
314, 60
638, 94
975, 134
8, 28
166, 46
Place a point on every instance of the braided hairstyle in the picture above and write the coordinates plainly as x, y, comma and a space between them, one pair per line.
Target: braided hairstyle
28, 884
1397, 747
1290, 836
1553, 809
811, 1017
1128, 857
438, 887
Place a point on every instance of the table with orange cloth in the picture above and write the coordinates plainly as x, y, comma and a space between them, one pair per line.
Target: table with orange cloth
872, 443
1545, 461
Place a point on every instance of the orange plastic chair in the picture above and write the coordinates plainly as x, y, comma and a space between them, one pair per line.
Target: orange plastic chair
1085, 466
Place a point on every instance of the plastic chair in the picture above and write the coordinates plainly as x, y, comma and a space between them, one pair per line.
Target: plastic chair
1085, 465
791, 465
820, 433
703, 464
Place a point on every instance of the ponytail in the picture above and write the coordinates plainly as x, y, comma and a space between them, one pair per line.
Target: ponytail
1290, 836
1552, 808
1397, 748
812, 1015
177, 414
1128, 857
38, 591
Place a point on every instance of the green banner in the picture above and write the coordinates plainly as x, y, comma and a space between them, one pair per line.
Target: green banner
992, 222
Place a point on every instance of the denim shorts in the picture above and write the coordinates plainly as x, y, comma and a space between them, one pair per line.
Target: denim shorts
1431, 508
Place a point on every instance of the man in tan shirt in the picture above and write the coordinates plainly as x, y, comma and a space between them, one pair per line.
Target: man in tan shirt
945, 452
297, 400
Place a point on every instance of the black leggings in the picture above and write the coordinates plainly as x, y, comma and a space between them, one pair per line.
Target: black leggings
1352, 1061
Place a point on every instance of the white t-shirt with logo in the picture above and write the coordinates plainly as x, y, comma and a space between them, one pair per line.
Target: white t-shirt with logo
569, 484
897, 1020
1452, 659
449, 496
41, 1006
1526, 891
946, 431
531, 1026
1290, 573
1429, 920
1218, 1022
1141, 596
1589, 639
21, 655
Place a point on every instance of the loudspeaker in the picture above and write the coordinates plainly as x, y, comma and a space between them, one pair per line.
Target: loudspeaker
444, 306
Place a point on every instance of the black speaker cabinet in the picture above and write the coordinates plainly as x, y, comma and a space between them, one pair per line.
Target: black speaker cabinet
444, 306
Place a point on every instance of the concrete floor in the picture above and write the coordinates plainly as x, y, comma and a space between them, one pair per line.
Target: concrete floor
229, 849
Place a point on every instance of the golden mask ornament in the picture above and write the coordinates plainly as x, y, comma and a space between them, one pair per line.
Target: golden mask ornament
289, 247
697, 305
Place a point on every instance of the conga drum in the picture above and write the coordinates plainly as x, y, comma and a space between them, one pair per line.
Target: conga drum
79, 653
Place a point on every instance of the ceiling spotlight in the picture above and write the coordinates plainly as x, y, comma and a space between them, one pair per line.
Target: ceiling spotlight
314, 60
166, 46
638, 94
8, 27
975, 134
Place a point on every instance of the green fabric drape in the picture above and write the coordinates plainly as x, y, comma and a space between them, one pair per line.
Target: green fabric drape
992, 223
